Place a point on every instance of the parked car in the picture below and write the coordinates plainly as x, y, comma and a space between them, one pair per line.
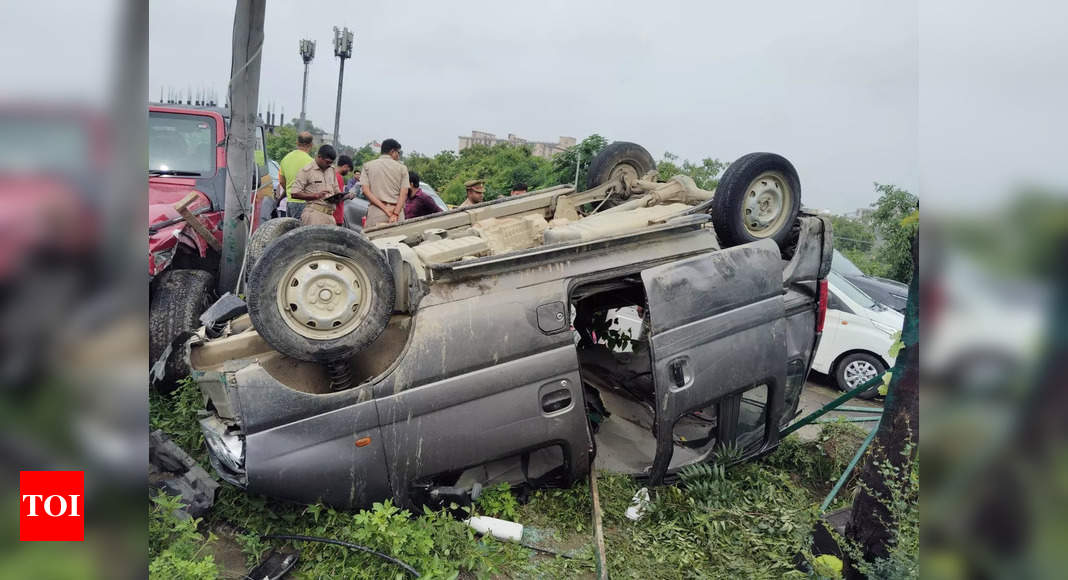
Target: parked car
186, 154
883, 290
857, 336
424, 360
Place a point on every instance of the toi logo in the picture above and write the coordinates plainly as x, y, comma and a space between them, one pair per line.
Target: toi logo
51, 506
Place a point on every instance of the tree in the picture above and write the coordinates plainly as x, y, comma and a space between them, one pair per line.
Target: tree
852, 235
281, 142
500, 166
892, 219
705, 174
363, 155
890, 464
856, 240
284, 140
563, 167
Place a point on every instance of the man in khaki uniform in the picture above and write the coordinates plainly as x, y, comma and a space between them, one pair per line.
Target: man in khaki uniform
476, 190
316, 184
385, 184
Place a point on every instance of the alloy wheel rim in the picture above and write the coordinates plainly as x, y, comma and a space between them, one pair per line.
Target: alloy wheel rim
858, 372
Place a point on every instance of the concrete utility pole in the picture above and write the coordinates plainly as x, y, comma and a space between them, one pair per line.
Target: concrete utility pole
307, 53
244, 94
342, 50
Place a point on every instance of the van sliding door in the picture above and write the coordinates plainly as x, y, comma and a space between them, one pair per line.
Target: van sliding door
718, 331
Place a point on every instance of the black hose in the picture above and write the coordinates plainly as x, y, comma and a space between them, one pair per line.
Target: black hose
343, 544
551, 552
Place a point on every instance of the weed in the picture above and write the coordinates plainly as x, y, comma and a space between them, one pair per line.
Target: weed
565, 509
174, 545
901, 501
816, 465
176, 415
498, 502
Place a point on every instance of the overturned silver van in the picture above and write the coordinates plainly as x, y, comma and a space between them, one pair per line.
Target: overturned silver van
424, 360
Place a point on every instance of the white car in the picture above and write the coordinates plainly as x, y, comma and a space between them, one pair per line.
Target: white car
857, 336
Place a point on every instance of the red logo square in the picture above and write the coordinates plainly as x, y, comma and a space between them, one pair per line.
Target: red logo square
51, 506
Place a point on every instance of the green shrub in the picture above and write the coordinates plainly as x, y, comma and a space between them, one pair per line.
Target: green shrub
176, 415
817, 464
175, 547
498, 502
902, 502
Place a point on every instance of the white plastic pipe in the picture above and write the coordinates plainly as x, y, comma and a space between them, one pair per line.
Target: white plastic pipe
500, 529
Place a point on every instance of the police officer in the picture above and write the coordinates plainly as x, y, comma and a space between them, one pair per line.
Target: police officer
476, 190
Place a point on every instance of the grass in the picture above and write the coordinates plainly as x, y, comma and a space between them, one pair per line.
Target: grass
748, 521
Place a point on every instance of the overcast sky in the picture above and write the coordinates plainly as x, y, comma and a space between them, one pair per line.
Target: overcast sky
831, 85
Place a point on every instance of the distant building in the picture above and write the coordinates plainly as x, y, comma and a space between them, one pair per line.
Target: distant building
861, 215
538, 148
320, 137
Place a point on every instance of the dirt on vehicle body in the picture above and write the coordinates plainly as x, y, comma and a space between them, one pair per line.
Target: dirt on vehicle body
437, 356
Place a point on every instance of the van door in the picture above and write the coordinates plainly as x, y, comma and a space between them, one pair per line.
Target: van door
717, 331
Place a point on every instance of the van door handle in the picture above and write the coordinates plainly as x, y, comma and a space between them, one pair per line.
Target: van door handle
555, 400
678, 372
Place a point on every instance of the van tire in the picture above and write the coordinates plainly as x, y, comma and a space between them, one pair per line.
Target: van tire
747, 183
268, 232
336, 246
619, 156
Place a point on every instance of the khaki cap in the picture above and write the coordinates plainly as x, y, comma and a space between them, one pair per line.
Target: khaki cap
474, 183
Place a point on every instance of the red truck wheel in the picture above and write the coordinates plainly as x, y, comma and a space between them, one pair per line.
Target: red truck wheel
178, 300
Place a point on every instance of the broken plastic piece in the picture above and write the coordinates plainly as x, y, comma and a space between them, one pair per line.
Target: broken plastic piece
226, 308
638, 504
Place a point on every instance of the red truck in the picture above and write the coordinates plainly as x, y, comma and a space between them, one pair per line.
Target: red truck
187, 175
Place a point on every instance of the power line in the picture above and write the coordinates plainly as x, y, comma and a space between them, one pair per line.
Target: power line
870, 242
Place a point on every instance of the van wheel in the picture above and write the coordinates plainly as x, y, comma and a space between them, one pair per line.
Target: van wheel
270, 231
320, 293
180, 297
621, 158
856, 369
757, 198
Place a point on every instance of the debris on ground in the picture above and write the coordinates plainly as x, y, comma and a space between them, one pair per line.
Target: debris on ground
638, 504
173, 471
275, 565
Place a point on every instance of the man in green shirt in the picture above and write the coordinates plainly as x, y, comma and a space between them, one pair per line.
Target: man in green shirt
288, 168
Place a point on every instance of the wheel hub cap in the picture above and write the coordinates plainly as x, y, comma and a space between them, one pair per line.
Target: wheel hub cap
765, 204
322, 296
859, 372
